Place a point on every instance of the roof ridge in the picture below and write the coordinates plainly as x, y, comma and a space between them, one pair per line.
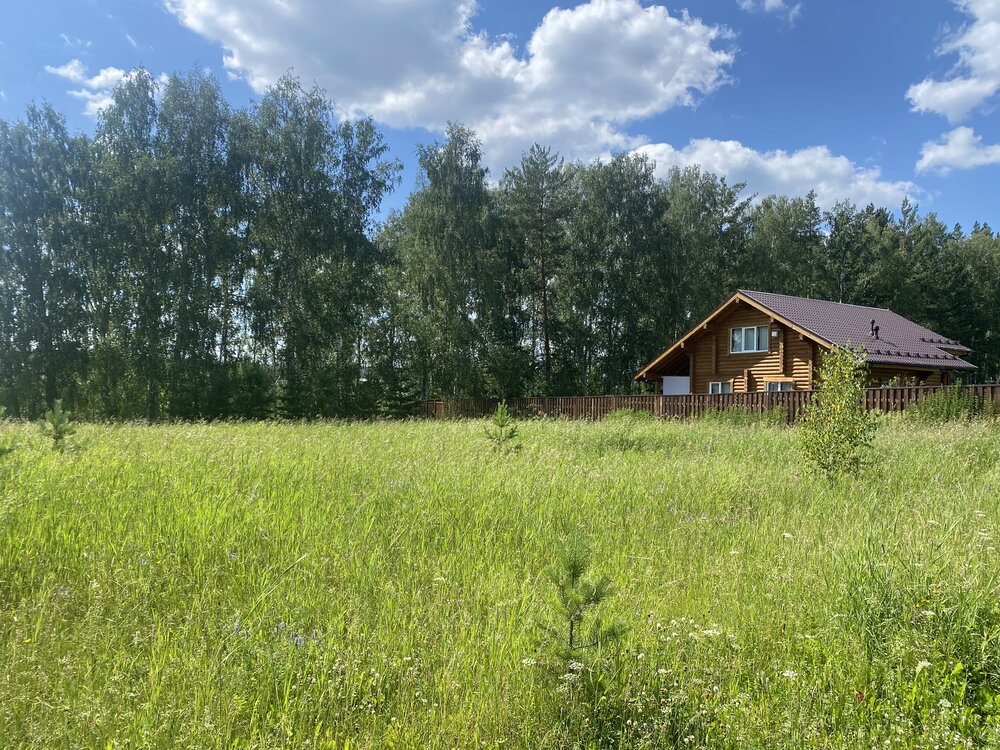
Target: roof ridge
827, 301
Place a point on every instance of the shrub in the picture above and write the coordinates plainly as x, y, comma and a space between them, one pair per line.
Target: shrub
836, 430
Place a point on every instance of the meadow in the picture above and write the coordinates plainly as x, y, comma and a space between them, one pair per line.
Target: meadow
373, 585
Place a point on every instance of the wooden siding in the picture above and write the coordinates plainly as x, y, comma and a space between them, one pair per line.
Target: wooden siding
681, 407
789, 355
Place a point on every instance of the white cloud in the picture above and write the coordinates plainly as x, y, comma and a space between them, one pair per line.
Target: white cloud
76, 72
3, 95
75, 41
96, 91
583, 74
791, 173
789, 10
959, 149
131, 40
93, 101
976, 77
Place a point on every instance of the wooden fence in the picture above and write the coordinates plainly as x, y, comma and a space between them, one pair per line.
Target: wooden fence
681, 407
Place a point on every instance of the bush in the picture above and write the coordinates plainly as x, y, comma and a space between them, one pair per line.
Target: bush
836, 429
950, 404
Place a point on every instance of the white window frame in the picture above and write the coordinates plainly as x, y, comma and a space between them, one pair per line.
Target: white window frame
779, 386
723, 385
756, 340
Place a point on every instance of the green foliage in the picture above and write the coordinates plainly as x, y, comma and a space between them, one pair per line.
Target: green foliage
741, 416
502, 427
58, 426
954, 403
898, 381
836, 431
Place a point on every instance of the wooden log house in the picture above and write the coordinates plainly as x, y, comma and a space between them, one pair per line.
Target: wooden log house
758, 341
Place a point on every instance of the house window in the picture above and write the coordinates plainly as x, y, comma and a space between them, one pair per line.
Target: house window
784, 385
746, 340
717, 387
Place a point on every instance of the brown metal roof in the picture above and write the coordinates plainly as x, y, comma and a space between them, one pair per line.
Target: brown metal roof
900, 341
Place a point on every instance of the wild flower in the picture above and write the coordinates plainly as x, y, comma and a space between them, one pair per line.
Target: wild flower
791, 674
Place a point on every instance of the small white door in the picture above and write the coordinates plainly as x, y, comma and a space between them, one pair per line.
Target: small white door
676, 385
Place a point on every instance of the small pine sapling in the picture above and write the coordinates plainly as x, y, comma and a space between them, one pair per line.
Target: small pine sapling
502, 429
579, 598
58, 425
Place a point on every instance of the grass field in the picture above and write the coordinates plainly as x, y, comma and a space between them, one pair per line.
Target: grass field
382, 585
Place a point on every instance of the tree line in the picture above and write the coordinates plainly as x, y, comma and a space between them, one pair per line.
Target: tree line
194, 260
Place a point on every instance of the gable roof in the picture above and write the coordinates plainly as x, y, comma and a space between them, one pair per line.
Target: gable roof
901, 342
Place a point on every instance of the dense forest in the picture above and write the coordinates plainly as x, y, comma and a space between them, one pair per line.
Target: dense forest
193, 260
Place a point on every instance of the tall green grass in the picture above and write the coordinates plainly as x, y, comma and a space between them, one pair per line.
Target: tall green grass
951, 404
389, 585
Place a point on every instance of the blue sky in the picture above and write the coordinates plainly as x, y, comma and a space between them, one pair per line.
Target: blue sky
868, 101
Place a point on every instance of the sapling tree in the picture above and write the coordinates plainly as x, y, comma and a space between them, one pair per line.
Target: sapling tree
579, 598
502, 428
837, 431
58, 425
